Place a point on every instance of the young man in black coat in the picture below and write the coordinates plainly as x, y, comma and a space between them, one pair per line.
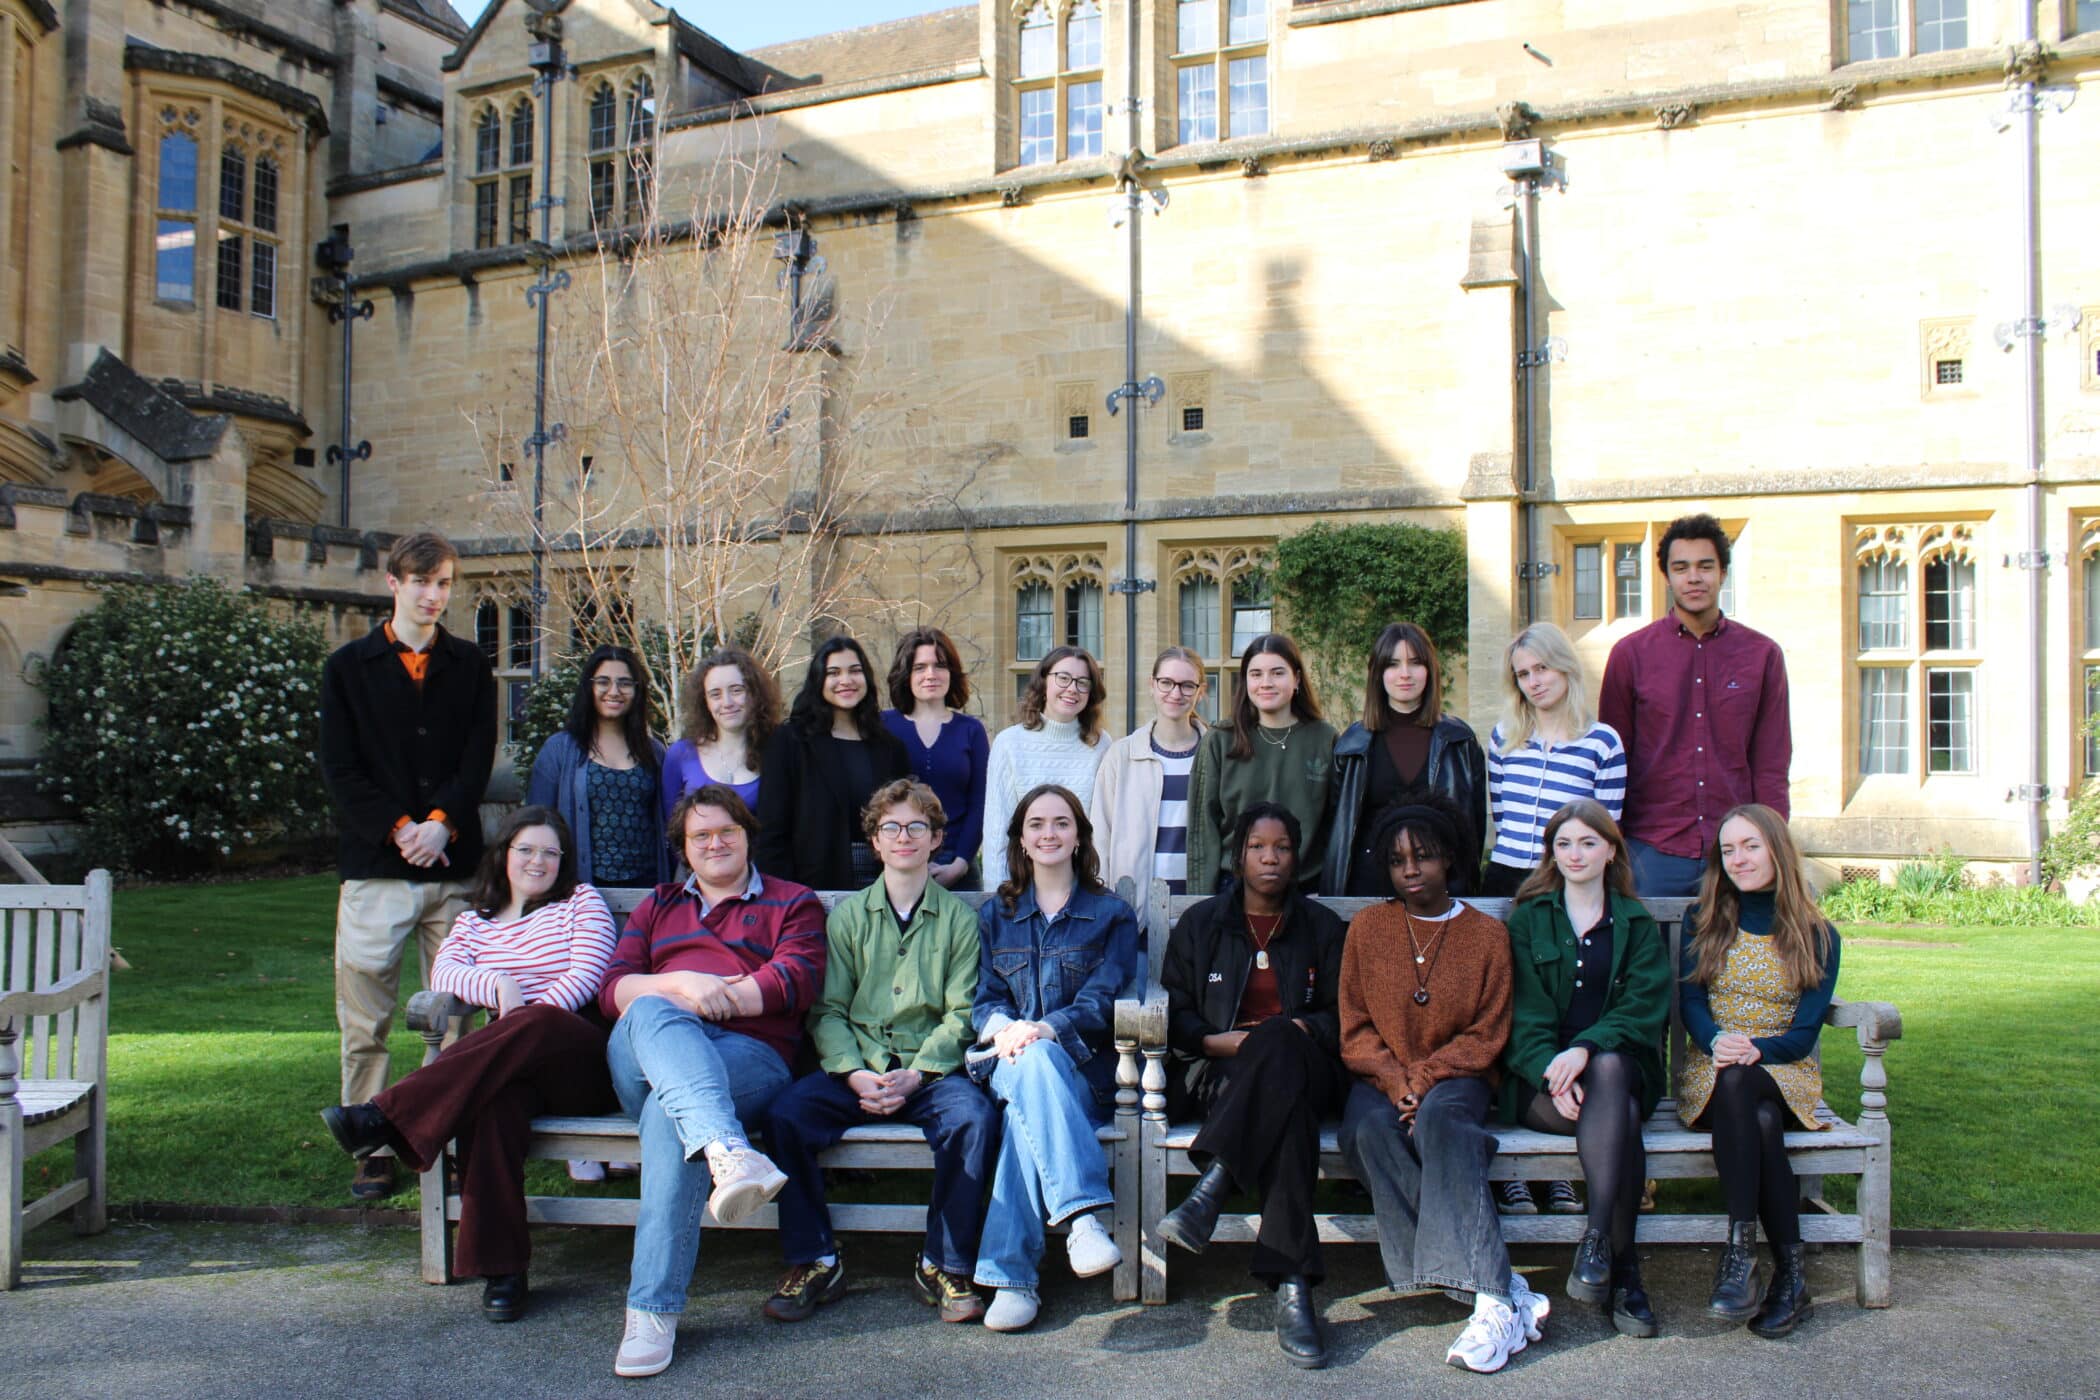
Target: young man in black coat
408, 735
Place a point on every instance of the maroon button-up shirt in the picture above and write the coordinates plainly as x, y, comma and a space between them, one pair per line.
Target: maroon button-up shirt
1705, 724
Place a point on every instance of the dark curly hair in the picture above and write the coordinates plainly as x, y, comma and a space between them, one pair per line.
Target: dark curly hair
764, 717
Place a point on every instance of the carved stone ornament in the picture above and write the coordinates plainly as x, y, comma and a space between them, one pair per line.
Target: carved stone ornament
1012, 196
1252, 168
2026, 63
1516, 120
1672, 115
1382, 149
1844, 97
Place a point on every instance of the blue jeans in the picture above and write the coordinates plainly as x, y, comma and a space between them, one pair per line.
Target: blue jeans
1051, 1166
1664, 876
688, 1082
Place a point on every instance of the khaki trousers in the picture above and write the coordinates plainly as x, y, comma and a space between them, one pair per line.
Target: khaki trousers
373, 921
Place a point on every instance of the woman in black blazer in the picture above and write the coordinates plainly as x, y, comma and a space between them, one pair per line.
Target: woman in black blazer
821, 767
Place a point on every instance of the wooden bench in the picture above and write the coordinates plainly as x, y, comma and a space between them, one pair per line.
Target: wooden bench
54, 1044
616, 1138
1844, 1149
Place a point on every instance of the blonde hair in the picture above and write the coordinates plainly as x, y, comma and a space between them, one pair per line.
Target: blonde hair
1520, 718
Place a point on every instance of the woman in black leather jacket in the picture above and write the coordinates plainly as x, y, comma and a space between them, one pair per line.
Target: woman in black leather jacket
1404, 745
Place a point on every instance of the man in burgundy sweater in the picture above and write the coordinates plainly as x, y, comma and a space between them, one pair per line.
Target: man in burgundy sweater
710, 985
1700, 702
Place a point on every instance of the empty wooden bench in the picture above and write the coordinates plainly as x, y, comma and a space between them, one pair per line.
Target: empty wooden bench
1843, 1149
617, 1138
54, 1043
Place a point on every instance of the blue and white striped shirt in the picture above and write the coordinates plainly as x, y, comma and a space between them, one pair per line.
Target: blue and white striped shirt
1528, 785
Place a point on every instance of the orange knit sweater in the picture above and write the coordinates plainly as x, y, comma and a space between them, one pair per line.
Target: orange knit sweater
1403, 1048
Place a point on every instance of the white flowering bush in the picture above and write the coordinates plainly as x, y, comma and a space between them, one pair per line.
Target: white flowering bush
182, 725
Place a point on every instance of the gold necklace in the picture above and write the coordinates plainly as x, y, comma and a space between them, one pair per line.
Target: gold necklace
1436, 950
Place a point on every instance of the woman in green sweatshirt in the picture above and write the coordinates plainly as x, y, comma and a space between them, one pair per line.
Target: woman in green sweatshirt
1276, 749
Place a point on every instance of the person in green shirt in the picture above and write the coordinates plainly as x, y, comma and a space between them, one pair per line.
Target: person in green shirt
889, 1034
1276, 749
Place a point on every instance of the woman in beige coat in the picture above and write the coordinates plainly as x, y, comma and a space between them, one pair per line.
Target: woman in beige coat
1139, 806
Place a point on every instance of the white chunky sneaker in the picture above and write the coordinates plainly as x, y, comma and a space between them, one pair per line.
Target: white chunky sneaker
745, 1179
581, 1170
1090, 1248
1493, 1336
1012, 1310
1530, 1307
646, 1347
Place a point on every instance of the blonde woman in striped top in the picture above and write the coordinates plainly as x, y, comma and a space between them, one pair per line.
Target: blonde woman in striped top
1550, 749
533, 948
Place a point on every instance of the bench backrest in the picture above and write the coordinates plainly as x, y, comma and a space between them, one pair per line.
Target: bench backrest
49, 933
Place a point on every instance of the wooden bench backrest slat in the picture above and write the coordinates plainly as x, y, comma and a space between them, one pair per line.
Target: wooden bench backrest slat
48, 933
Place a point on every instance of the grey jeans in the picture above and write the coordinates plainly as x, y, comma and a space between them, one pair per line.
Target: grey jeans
1437, 1226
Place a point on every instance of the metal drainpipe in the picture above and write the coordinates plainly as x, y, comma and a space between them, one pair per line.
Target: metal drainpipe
547, 60
1132, 301
1528, 353
2032, 794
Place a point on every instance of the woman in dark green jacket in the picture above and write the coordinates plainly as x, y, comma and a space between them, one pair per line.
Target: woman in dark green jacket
1592, 985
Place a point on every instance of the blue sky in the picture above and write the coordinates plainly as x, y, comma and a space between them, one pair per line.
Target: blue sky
742, 24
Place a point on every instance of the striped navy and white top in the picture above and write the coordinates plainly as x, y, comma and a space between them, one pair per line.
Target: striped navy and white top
1529, 784
1170, 843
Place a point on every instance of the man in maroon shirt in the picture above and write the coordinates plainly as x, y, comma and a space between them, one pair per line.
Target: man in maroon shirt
710, 983
1700, 702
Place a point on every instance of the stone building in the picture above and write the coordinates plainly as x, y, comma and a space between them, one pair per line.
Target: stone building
1551, 276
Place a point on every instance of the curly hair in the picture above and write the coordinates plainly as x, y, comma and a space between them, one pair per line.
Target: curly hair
762, 718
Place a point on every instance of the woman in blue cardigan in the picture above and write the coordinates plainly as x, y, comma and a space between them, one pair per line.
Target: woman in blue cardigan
600, 772
1056, 949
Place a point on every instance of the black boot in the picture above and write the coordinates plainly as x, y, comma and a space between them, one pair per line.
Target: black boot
360, 1129
1630, 1312
1735, 1291
1787, 1304
1589, 1281
1298, 1324
1190, 1223
503, 1297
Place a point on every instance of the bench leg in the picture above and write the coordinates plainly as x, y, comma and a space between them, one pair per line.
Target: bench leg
91, 1216
10, 1180
436, 1231
1874, 1215
1152, 1249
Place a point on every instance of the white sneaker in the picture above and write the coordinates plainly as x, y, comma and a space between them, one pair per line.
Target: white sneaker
1090, 1247
1012, 1310
745, 1179
580, 1170
1530, 1307
646, 1348
1493, 1336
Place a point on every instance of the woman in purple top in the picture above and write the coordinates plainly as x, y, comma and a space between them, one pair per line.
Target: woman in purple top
731, 708
949, 750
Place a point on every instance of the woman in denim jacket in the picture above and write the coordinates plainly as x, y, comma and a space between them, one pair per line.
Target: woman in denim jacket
1057, 950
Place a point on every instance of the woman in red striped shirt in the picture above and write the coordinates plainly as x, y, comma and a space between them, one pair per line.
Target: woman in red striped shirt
532, 947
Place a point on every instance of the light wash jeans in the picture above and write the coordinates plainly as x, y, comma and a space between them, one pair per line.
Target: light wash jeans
688, 1082
1051, 1166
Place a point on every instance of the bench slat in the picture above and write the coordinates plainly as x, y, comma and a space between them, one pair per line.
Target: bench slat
1524, 1142
1556, 1229
48, 1098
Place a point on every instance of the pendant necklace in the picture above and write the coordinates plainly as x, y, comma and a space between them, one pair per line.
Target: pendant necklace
1284, 743
1422, 956
1261, 945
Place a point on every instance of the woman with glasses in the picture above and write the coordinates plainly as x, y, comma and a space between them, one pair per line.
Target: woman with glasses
821, 768
949, 750
1277, 749
732, 708
532, 947
1140, 807
1058, 738
600, 772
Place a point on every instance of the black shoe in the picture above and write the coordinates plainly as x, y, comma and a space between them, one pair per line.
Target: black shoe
1735, 1291
1589, 1281
1298, 1325
1190, 1224
503, 1297
1630, 1312
359, 1128
1787, 1304
805, 1288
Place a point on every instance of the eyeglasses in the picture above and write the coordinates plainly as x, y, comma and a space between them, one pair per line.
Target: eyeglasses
727, 836
536, 852
1064, 681
917, 831
1185, 689
622, 685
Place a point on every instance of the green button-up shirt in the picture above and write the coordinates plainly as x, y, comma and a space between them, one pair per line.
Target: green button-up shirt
897, 999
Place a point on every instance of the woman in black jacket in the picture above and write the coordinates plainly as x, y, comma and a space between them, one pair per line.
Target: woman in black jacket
1251, 979
1404, 746
821, 767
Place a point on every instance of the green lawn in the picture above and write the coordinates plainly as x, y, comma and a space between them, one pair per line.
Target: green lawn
224, 1048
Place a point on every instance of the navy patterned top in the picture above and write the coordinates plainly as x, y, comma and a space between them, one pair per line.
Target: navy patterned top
624, 829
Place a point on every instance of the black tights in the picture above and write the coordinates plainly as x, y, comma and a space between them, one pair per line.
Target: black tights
1608, 1139
1748, 1117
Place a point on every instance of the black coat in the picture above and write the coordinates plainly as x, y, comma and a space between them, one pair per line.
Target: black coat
391, 750
1457, 769
808, 811
1205, 972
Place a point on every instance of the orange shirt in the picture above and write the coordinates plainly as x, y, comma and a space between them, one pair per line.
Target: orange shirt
417, 664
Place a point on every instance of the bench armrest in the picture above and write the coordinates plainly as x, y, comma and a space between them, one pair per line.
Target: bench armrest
1878, 1022
429, 1012
62, 995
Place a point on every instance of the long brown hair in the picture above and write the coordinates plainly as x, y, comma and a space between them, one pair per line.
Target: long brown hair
1020, 870
491, 893
1800, 933
1305, 706
1378, 711
901, 698
1547, 879
764, 702
1030, 711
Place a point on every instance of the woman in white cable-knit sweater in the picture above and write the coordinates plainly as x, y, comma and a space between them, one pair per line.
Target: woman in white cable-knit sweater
1058, 739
